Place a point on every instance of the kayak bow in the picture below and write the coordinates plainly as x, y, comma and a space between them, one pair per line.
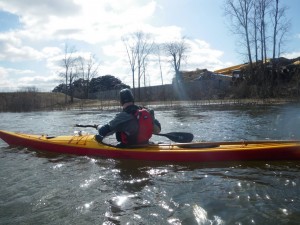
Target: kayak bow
197, 151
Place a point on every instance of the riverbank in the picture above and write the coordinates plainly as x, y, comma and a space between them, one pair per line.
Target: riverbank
28, 102
114, 105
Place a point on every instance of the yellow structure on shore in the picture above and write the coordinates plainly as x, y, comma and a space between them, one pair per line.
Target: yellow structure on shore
229, 70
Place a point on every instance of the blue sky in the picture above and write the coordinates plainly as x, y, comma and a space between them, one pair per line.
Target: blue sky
33, 34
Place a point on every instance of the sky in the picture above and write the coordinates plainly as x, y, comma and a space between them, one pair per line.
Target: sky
33, 34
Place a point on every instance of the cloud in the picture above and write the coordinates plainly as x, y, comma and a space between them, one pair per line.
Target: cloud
51, 51
33, 13
95, 26
46, 81
90, 21
291, 55
9, 77
202, 56
12, 48
15, 79
13, 72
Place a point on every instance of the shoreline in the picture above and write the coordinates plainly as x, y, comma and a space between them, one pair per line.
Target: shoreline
114, 105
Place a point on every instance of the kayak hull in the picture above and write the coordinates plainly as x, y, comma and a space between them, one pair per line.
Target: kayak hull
193, 152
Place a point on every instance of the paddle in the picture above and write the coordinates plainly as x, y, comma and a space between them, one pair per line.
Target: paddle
181, 137
92, 126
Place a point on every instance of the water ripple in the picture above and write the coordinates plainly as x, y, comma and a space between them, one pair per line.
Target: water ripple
43, 188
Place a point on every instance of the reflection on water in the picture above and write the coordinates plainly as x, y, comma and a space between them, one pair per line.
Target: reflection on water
44, 188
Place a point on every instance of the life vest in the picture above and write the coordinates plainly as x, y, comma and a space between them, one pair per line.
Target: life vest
145, 130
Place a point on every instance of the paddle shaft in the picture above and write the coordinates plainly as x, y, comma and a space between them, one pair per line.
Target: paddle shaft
181, 137
80, 125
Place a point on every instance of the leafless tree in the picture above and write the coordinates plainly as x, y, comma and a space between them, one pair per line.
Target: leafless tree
73, 74
269, 27
32, 89
263, 7
280, 26
145, 48
239, 11
138, 47
158, 53
254, 31
143, 72
262, 13
132, 54
88, 69
67, 63
276, 20
177, 51
283, 31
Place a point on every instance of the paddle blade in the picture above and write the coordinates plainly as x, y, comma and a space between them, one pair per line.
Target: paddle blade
181, 137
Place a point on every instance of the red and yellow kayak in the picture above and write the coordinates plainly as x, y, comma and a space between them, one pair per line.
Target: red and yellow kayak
184, 152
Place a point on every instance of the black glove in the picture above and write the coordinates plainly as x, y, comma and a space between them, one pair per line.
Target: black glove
157, 123
98, 138
104, 130
151, 111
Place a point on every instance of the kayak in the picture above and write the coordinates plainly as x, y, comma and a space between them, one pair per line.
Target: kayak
179, 152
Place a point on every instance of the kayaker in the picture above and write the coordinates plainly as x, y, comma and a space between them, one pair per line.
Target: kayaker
134, 125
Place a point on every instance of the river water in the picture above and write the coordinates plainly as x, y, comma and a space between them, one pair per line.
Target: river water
43, 188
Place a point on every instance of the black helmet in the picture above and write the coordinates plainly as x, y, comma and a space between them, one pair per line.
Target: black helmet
126, 96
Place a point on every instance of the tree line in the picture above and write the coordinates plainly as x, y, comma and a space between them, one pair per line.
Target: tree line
74, 67
141, 48
79, 71
82, 88
260, 25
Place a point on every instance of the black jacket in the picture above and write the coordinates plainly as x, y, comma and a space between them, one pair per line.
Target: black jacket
125, 121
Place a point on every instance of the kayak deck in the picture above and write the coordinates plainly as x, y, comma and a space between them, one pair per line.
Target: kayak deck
197, 151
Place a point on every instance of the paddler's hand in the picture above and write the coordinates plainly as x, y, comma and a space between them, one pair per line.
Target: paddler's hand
103, 130
98, 138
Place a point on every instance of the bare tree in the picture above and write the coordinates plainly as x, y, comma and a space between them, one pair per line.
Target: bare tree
143, 72
67, 63
255, 24
276, 20
73, 74
240, 12
145, 48
89, 69
263, 7
177, 51
280, 26
158, 53
283, 31
132, 54
138, 46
